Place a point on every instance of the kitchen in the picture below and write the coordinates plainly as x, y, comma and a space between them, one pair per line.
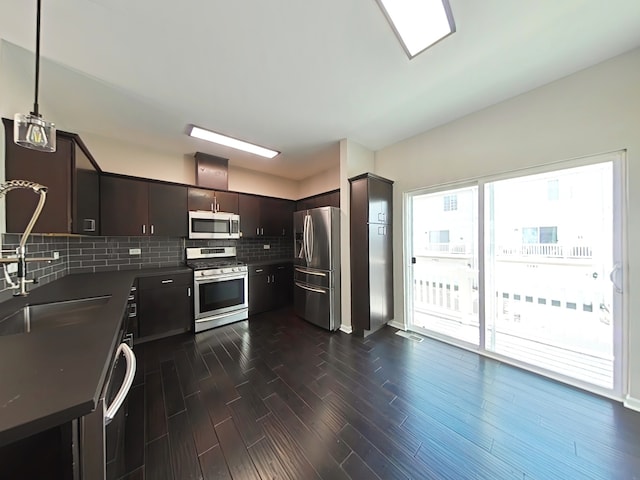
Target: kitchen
501, 133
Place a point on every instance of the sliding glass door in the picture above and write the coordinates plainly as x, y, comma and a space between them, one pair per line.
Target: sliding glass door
445, 268
543, 286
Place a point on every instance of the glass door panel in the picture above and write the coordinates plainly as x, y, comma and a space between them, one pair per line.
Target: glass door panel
445, 267
549, 248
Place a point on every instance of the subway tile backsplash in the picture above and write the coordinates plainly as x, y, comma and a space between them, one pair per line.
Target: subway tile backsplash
96, 254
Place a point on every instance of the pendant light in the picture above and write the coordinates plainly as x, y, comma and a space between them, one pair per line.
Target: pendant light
32, 131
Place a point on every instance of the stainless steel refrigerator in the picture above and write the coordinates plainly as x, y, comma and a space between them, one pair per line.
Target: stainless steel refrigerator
317, 266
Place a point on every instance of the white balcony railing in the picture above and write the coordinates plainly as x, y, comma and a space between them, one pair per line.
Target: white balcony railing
549, 250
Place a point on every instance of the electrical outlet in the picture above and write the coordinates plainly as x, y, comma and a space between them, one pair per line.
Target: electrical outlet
12, 268
266, 247
135, 251
56, 255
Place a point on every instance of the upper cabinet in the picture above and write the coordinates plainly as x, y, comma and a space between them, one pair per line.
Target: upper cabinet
328, 199
71, 176
265, 216
137, 207
213, 200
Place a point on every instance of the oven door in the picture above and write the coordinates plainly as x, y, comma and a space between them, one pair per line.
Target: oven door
222, 294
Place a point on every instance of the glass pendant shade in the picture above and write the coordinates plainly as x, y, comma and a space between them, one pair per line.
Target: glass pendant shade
32, 131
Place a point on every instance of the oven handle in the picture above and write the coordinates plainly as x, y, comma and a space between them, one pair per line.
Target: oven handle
126, 384
202, 280
219, 315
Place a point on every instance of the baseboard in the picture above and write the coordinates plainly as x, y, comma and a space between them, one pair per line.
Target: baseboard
632, 403
398, 325
346, 329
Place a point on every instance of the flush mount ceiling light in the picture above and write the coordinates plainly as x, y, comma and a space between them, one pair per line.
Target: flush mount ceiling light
419, 23
220, 139
32, 131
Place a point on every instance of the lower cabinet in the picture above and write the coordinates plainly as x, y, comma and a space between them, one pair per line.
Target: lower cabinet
165, 305
270, 287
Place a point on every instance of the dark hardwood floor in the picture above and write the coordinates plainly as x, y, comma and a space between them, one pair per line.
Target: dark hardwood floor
275, 397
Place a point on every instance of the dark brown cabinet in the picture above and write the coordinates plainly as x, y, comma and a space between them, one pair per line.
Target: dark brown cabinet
165, 305
371, 252
328, 199
70, 175
132, 207
270, 287
213, 200
265, 216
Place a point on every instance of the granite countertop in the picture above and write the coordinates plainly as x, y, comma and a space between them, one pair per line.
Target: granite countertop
54, 375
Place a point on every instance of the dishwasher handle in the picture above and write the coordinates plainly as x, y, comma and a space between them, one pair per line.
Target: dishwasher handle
126, 384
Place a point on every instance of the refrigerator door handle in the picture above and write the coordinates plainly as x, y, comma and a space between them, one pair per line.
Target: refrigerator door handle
307, 221
316, 290
308, 272
311, 228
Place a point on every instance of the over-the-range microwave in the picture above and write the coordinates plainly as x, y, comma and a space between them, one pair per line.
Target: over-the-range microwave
204, 224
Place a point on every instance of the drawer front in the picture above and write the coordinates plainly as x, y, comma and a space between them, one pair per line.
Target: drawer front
310, 276
160, 281
261, 270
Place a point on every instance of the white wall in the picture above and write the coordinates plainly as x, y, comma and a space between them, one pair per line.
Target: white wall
319, 183
116, 156
593, 111
354, 160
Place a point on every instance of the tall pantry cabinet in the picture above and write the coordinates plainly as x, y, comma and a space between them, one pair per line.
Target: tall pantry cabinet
371, 253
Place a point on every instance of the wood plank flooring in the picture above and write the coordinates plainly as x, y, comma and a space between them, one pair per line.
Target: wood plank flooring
276, 397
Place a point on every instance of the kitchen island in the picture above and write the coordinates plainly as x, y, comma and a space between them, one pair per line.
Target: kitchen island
52, 376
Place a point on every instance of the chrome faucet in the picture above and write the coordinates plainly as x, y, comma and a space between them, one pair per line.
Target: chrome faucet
21, 251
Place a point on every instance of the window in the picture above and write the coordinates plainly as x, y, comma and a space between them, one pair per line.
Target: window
450, 203
540, 235
553, 189
439, 236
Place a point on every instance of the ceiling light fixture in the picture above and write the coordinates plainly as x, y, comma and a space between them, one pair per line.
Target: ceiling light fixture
32, 131
418, 24
220, 139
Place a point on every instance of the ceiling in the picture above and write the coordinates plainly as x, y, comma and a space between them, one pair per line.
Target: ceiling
295, 76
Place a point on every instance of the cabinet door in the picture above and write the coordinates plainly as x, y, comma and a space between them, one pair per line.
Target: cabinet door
333, 199
201, 199
380, 193
380, 274
165, 304
227, 202
260, 292
168, 212
249, 207
124, 206
53, 170
86, 215
277, 217
283, 284
163, 311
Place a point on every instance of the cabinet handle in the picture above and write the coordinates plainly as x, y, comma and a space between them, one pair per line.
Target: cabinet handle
259, 270
268, 278
261, 231
167, 281
273, 279
212, 207
283, 234
133, 311
257, 231
152, 229
89, 225
144, 229
188, 291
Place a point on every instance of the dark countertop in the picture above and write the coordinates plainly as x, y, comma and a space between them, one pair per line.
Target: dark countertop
52, 376
271, 261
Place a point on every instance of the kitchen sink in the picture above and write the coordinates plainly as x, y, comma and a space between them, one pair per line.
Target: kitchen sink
34, 318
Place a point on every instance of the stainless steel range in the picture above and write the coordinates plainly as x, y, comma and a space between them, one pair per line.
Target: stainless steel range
220, 282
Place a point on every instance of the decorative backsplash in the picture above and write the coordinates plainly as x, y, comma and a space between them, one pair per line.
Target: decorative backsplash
97, 254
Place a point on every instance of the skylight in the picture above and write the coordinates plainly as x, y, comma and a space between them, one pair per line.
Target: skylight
419, 23
220, 139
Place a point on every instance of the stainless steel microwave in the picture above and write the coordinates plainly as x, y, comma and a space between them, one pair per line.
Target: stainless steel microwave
204, 224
